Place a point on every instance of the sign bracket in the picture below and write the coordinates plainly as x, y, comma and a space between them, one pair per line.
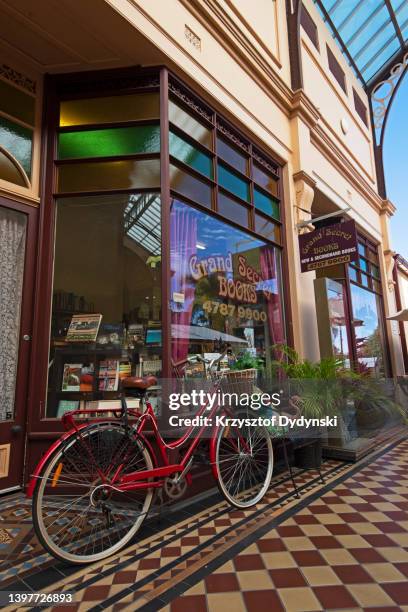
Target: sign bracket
322, 217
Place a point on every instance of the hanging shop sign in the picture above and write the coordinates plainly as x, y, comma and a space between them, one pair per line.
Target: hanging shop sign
328, 246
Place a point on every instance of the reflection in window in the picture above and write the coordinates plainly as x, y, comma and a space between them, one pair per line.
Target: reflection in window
109, 109
185, 152
189, 125
232, 155
97, 176
366, 310
190, 186
113, 271
232, 210
225, 287
231, 181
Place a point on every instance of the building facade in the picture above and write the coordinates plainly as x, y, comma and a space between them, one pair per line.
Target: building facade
158, 161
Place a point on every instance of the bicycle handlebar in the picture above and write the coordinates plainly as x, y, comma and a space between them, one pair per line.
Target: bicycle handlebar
209, 362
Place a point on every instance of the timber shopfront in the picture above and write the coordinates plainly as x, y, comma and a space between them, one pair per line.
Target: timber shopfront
161, 236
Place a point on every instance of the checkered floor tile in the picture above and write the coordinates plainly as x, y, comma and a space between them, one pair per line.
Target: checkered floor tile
341, 545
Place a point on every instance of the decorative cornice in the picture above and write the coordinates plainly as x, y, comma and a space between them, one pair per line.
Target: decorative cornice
304, 176
387, 208
214, 19
17, 78
303, 107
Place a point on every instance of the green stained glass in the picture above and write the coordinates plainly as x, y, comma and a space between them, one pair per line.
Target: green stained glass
18, 141
109, 142
233, 183
266, 204
190, 155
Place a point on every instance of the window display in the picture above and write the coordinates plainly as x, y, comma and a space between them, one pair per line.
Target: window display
106, 316
225, 287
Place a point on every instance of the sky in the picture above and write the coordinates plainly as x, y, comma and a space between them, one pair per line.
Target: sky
396, 167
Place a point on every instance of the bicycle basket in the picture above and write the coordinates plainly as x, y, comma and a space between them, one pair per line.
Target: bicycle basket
237, 381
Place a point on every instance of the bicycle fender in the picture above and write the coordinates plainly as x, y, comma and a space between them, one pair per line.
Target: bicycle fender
40, 465
212, 449
34, 476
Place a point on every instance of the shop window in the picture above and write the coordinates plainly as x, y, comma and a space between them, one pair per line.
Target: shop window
225, 287
336, 69
110, 109
363, 263
352, 274
366, 309
375, 271
110, 286
96, 176
267, 228
266, 204
190, 186
309, 26
189, 125
230, 209
265, 180
232, 156
109, 142
190, 155
361, 249
233, 183
11, 172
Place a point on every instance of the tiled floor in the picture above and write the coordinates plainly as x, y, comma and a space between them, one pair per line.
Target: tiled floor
341, 545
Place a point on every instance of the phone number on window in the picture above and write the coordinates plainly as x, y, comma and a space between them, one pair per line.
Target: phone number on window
229, 310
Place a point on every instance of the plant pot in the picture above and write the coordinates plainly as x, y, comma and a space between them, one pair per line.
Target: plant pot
309, 454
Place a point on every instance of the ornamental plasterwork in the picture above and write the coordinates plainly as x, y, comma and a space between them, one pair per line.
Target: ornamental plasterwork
304, 193
389, 267
18, 78
382, 94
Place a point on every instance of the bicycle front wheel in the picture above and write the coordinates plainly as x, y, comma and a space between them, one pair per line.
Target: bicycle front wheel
78, 515
244, 460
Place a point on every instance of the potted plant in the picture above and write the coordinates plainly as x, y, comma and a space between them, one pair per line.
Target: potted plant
327, 388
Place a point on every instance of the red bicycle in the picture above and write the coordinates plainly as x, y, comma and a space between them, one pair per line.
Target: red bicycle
94, 487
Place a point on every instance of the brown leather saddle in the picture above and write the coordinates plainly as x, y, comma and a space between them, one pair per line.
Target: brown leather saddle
139, 383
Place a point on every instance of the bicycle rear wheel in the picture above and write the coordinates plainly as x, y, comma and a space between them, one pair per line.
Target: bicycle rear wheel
78, 516
244, 460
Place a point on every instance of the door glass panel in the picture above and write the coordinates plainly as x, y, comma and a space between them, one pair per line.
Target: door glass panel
109, 285
12, 253
368, 330
336, 298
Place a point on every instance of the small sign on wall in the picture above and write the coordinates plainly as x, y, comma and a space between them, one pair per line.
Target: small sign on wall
328, 246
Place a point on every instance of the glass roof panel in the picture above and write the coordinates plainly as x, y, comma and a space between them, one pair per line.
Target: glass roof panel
369, 32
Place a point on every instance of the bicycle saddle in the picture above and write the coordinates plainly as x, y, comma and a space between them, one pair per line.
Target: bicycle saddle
137, 382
